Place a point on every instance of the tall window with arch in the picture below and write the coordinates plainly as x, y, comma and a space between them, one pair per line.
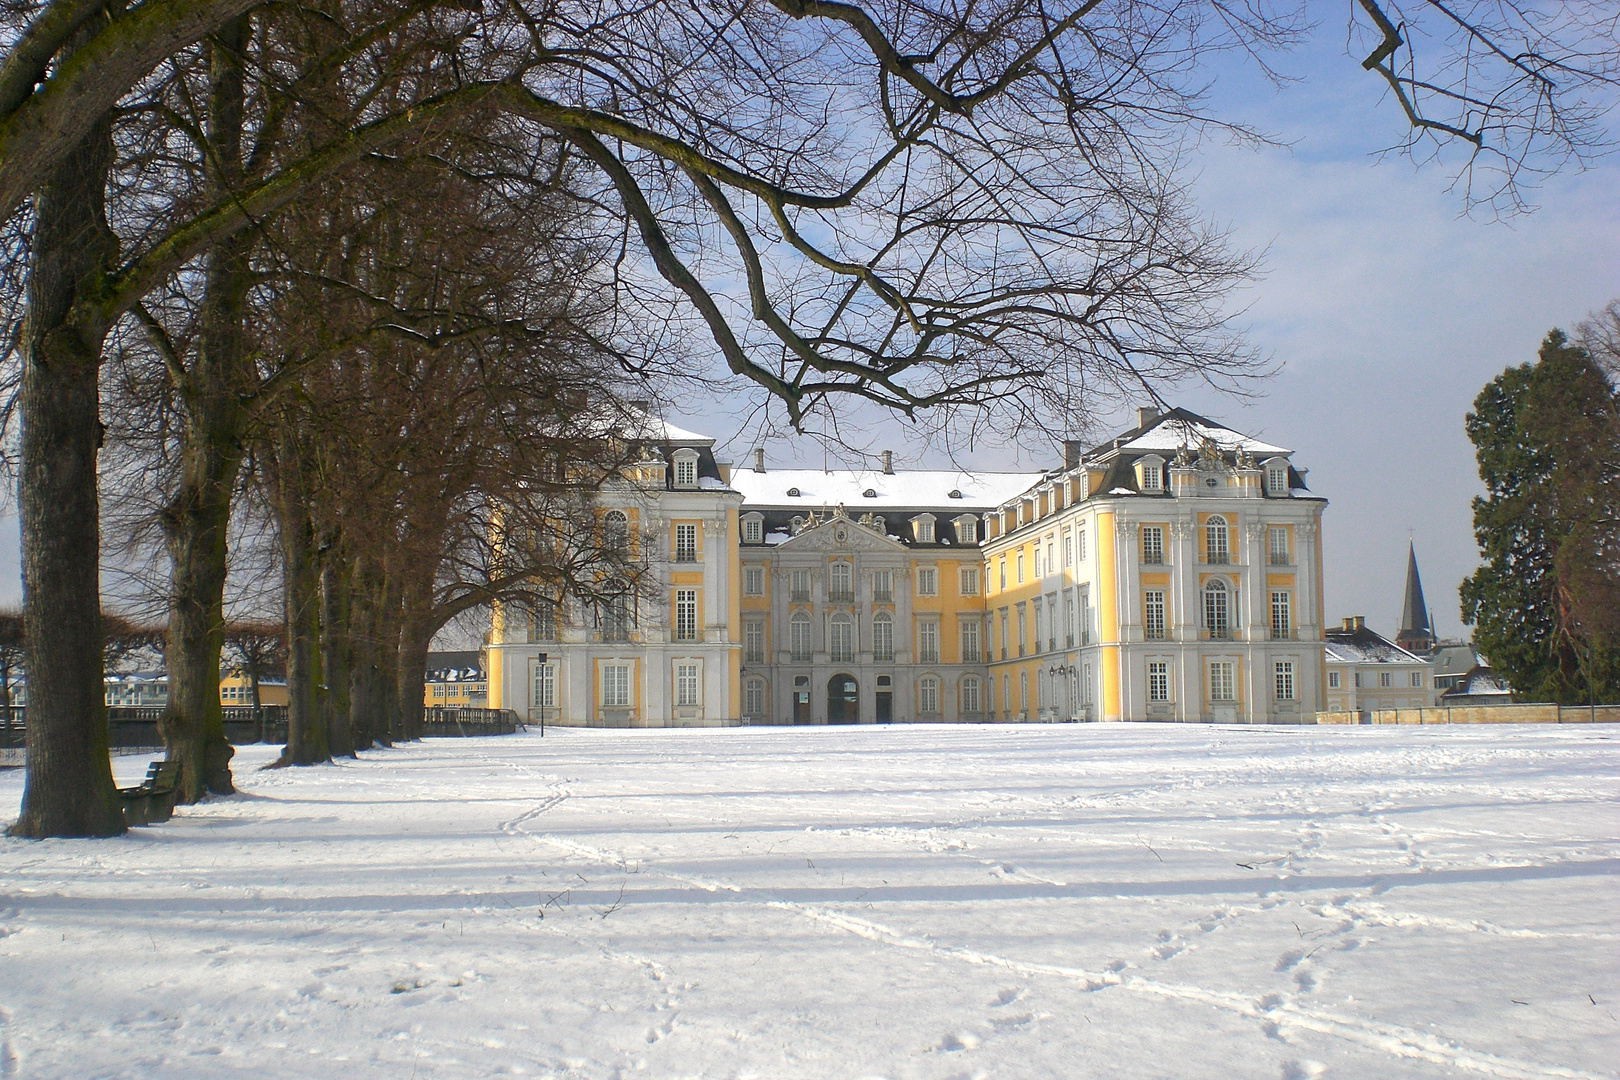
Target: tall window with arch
799, 638
616, 533
841, 638
883, 638
928, 695
1218, 609
840, 583
1216, 540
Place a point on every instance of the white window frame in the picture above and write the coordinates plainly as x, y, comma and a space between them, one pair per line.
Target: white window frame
753, 581
968, 630
1153, 614
754, 697
927, 641
1223, 680
543, 686
686, 615
1283, 677
841, 638
753, 529
688, 684
928, 695
801, 638
927, 581
883, 638
686, 542
1158, 679
1153, 545
754, 641
615, 690
686, 468
971, 694
883, 586
968, 581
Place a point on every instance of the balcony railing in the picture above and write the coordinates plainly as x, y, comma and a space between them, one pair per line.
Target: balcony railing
883, 596
1283, 633
1217, 558
800, 596
1153, 558
686, 555
1223, 634
841, 596
1154, 633
1280, 558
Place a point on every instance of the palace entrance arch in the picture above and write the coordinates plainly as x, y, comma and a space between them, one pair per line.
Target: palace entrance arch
843, 700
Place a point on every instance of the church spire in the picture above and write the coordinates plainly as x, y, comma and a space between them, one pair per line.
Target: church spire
1415, 634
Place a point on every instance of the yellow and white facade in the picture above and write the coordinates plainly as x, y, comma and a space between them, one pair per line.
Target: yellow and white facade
1173, 573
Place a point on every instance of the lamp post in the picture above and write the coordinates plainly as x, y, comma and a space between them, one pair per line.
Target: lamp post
1068, 672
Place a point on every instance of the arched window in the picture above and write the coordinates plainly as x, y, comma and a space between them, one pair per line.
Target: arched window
971, 694
841, 638
616, 533
840, 583
883, 638
1218, 609
686, 468
799, 638
754, 698
1215, 540
928, 696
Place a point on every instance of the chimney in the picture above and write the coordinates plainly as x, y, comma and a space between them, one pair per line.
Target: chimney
1145, 415
759, 459
888, 463
1071, 453
1355, 622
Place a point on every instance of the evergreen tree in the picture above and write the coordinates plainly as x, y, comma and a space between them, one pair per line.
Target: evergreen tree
1546, 603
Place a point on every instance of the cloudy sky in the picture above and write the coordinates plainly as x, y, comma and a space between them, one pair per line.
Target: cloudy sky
1386, 308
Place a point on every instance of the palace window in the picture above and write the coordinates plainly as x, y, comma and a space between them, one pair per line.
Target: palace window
1218, 609
686, 543
1277, 478
615, 686
1004, 573
840, 583
1158, 672
967, 530
615, 617
1020, 566
1417, 678
927, 642
1153, 544
686, 685
1036, 606
800, 592
1282, 625
970, 640
753, 529
841, 638
1004, 633
615, 533
1222, 681
754, 581
883, 638
799, 638
928, 695
1080, 544
927, 581
1384, 679
754, 698
1277, 544
1021, 630
686, 616
972, 696
1215, 540
1284, 672
686, 463
969, 581
883, 586
543, 691
1153, 614
1068, 549
925, 529
1333, 680
753, 643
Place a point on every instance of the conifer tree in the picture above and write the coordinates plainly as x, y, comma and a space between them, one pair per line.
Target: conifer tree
1544, 603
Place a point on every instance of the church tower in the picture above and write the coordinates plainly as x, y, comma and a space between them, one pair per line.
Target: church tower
1416, 635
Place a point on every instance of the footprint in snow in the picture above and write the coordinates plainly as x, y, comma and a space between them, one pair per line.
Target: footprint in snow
1007, 996
1302, 1070
961, 1040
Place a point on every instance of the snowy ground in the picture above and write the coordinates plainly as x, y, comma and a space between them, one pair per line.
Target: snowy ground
1093, 901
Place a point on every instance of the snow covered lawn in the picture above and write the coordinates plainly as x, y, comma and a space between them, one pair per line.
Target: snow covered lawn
1091, 901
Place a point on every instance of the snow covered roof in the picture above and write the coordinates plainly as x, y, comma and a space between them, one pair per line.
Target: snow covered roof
815, 489
1178, 428
1364, 646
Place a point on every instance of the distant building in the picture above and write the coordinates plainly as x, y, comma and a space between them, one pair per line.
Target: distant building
1463, 677
137, 690
1367, 671
456, 678
236, 690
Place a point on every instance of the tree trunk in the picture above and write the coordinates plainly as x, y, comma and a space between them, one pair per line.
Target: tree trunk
335, 638
68, 789
415, 639
306, 727
198, 517
365, 697
388, 666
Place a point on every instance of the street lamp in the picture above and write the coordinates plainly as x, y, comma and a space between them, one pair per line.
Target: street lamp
1068, 671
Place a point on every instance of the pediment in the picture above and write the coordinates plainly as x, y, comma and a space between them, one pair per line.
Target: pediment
840, 534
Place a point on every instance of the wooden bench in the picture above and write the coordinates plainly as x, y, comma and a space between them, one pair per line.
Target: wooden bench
153, 801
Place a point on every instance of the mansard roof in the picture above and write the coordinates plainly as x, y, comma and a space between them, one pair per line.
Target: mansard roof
947, 493
1178, 428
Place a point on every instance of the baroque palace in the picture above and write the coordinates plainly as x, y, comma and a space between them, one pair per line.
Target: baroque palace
1171, 573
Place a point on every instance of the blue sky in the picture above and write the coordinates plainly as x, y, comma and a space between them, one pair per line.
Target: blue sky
1386, 308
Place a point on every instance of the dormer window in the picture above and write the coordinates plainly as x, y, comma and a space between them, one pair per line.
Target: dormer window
686, 468
1150, 475
1277, 477
793, 493
753, 529
925, 528
869, 493
967, 530
796, 525
954, 493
